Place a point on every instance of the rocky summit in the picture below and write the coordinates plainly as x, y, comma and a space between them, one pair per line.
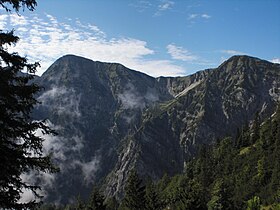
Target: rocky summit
111, 119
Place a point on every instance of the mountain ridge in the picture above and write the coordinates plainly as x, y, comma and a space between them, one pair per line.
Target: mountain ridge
112, 119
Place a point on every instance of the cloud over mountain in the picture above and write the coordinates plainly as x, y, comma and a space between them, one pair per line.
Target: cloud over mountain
44, 39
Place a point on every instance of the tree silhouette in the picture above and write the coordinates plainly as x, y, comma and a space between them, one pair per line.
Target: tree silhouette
17, 4
20, 148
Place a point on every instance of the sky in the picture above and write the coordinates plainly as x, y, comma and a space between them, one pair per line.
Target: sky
157, 37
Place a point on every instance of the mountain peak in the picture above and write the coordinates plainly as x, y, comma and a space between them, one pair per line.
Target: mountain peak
71, 57
240, 59
244, 62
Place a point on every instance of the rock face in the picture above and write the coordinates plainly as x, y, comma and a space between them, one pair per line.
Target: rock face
205, 106
111, 119
93, 106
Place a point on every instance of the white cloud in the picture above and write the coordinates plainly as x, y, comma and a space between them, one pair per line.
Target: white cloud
45, 39
179, 53
3, 21
132, 99
233, 52
67, 101
52, 19
223, 59
18, 20
46, 181
26, 195
65, 153
141, 5
275, 60
206, 16
61, 147
163, 6
193, 16
89, 169
197, 16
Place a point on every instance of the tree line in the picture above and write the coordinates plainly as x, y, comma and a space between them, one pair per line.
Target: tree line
241, 172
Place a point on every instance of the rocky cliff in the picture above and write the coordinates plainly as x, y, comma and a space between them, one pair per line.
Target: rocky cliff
111, 119
205, 106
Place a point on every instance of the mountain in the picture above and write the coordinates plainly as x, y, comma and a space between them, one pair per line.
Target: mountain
93, 106
111, 119
213, 105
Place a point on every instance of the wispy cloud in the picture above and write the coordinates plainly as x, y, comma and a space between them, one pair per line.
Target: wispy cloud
130, 98
192, 16
163, 6
17, 20
233, 52
141, 5
275, 60
179, 53
198, 16
67, 101
228, 53
45, 39
89, 169
206, 16
65, 154
158, 7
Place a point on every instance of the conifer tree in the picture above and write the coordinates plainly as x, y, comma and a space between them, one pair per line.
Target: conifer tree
96, 201
256, 128
243, 139
134, 192
192, 195
153, 201
254, 203
112, 203
20, 148
275, 177
219, 196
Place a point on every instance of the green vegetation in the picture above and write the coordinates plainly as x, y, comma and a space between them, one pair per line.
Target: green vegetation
235, 173
240, 173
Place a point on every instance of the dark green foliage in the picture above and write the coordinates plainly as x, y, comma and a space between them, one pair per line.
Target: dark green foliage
243, 139
222, 176
112, 204
96, 201
255, 129
152, 198
220, 196
47, 207
231, 175
254, 203
20, 148
134, 192
190, 195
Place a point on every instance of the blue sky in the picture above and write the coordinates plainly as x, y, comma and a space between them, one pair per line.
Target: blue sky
158, 37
